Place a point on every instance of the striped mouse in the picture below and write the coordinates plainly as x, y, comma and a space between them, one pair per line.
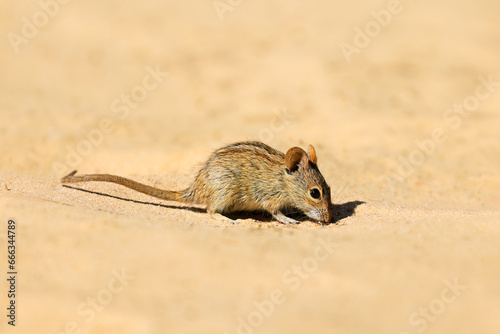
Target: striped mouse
247, 176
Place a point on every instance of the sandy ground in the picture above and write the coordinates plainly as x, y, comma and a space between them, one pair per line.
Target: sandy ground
400, 100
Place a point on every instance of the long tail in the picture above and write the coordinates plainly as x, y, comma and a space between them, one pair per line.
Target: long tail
145, 189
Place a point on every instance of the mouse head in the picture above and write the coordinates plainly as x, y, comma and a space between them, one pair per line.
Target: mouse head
306, 185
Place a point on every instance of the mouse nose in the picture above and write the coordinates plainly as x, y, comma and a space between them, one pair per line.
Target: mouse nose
329, 213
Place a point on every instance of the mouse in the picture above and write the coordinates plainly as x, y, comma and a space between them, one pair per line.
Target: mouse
246, 176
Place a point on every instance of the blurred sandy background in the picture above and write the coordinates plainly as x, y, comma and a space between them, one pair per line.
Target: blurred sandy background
422, 254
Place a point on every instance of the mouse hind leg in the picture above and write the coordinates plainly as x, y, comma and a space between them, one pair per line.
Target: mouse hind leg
217, 210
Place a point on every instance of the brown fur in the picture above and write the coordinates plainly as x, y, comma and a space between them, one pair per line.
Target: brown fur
246, 176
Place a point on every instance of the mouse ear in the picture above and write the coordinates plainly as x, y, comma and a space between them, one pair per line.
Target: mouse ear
312, 155
293, 157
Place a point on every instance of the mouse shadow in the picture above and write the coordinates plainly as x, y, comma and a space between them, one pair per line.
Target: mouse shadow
189, 208
340, 211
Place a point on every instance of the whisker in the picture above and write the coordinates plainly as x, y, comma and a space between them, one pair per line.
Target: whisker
340, 191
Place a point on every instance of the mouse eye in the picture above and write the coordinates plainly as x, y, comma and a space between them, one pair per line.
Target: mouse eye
314, 192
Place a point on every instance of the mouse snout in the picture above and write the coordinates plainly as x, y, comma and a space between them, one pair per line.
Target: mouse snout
329, 214
325, 214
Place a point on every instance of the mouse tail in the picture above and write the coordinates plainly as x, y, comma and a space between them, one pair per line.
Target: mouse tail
142, 188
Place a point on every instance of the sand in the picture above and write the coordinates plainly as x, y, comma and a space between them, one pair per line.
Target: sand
400, 99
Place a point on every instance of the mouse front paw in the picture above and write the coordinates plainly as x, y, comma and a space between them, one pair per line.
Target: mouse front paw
284, 219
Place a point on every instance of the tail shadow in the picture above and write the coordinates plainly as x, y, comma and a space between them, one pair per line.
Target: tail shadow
189, 208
